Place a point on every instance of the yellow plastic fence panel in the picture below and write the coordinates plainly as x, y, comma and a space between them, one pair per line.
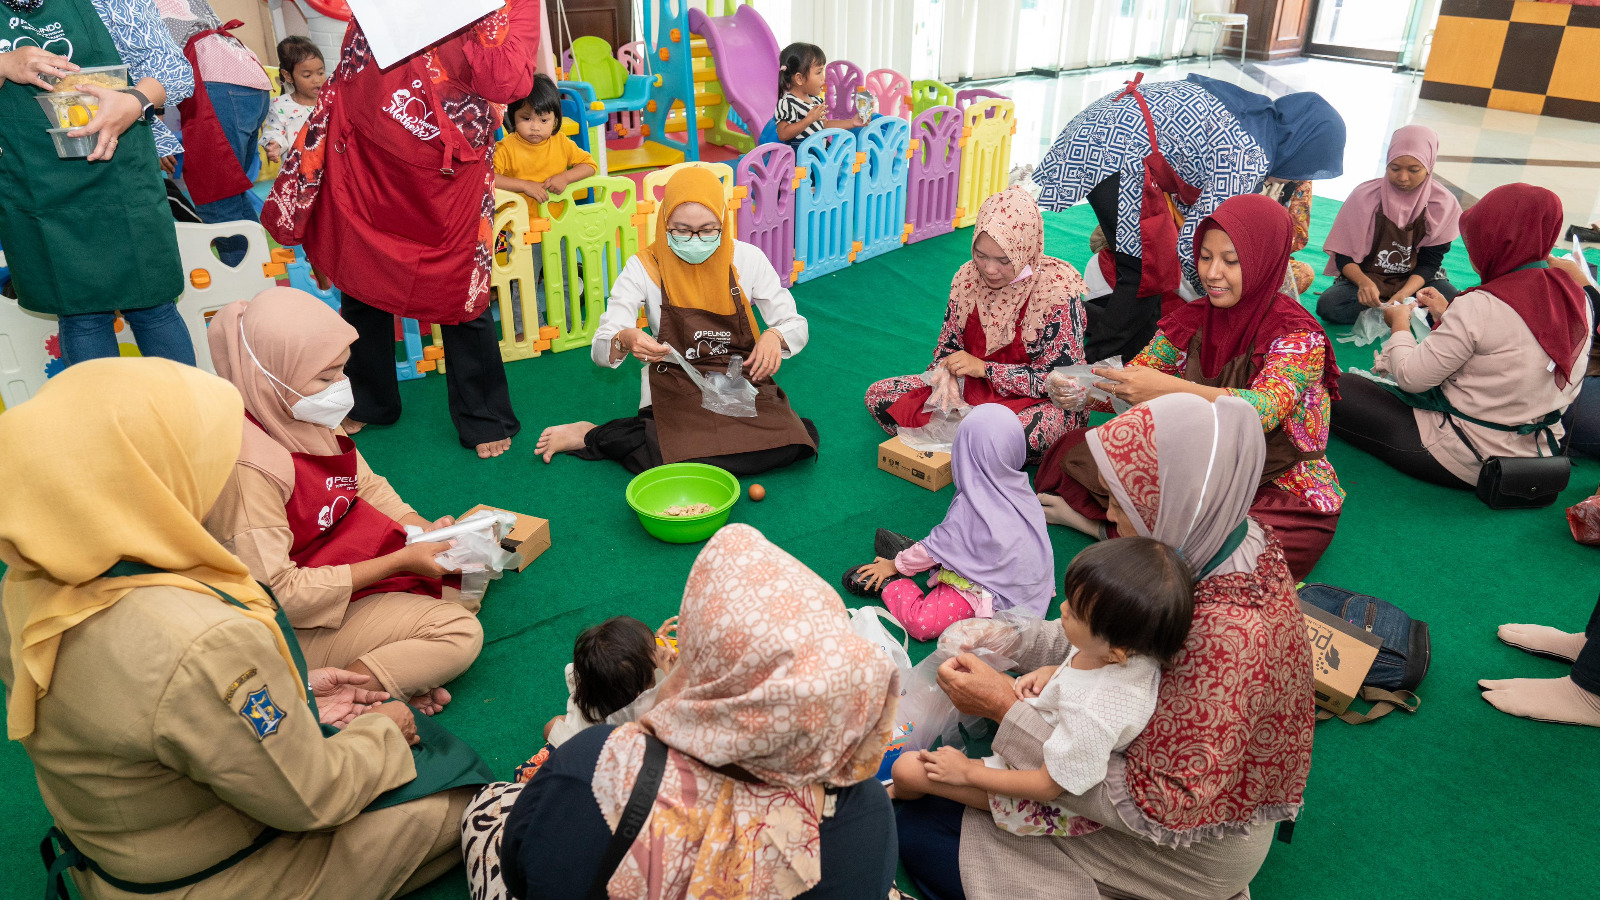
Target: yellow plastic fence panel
512, 279
584, 245
269, 170
655, 184
987, 127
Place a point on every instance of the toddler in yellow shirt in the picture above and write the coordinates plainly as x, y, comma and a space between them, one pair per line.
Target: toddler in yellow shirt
535, 158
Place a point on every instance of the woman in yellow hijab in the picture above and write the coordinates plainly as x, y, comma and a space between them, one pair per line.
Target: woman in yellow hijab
149, 680
699, 289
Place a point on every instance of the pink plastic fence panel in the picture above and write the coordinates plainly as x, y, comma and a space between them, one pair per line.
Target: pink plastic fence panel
934, 182
881, 186
893, 91
843, 77
970, 96
767, 219
825, 202
632, 58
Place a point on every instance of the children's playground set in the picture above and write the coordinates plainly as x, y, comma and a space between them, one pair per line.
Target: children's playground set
685, 96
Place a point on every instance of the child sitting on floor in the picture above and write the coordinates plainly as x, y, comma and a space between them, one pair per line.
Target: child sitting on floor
534, 157
989, 553
1128, 607
802, 81
615, 669
301, 75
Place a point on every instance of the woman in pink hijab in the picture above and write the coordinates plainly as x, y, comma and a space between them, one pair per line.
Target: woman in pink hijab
1390, 237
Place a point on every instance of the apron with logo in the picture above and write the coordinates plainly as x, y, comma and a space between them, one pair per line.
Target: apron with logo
1393, 256
80, 237
686, 430
211, 170
1159, 220
908, 411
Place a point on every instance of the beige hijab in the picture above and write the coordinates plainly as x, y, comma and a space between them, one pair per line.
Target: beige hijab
294, 336
1011, 218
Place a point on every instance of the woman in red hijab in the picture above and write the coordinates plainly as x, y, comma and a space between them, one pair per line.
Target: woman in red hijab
1511, 352
1247, 339
390, 190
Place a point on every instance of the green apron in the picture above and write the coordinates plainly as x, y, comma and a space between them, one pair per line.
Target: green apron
443, 762
80, 237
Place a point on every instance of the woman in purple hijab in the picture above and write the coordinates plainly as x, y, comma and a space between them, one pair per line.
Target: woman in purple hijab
990, 552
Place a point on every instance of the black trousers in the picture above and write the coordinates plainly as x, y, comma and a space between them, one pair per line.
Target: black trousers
1120, 323
475, 377
1374, 420
632, 442
1586, 668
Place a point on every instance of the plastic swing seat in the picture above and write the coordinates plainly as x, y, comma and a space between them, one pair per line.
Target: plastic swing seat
615, 88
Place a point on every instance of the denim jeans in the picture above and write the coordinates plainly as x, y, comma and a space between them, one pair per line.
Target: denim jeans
158, 331
240, 111
1582, 423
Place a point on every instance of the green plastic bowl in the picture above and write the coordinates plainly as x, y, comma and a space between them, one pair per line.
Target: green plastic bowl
679, 484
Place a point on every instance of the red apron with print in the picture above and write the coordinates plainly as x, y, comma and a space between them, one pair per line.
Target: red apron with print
908, 411
1158, 218
334, 527
211, 171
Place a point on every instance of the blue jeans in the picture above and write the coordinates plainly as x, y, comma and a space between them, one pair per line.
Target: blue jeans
158, 331
240, 110
1582, 423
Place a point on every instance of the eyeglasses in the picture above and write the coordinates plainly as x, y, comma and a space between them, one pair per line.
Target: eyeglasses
705, 234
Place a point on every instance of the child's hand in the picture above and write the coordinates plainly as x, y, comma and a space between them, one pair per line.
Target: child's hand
555, 184
946, 765
274, 152
874, 574
817, 113
536, 192
1032, 684
666, 652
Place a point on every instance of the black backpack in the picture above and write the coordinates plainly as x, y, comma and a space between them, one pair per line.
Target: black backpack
1402, 661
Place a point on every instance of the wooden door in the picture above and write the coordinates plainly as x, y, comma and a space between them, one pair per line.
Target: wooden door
610, 20
1277, 27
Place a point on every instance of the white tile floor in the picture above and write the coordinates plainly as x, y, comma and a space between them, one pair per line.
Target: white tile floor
1374, 101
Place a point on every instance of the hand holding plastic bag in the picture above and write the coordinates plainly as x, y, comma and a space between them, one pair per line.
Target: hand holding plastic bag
727, 394
1077, 384
946, 407
926, 714
1371, 326
475, 549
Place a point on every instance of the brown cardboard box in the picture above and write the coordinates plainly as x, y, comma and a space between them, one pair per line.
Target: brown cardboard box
929, 470
1341, 655
530, 536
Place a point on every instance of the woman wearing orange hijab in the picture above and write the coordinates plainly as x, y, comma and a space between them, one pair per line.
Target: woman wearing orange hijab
699, 289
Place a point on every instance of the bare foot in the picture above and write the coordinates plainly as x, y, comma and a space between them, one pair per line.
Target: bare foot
493, 448
351, 426
430, 703
1058, 512
561, 438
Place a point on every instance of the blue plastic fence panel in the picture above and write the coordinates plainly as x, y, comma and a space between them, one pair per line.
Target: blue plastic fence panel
825, 201
881, 186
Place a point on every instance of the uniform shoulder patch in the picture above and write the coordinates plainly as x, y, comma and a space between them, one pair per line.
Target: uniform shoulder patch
263, 715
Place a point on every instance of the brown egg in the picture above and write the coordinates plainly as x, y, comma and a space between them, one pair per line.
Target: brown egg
758, 493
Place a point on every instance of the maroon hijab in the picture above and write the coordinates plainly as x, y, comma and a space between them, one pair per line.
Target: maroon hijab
1261, 231
1513, 226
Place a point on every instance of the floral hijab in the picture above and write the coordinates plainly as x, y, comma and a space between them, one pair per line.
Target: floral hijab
1011, 219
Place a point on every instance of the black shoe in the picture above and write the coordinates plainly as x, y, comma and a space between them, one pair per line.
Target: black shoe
888, 544
854, 585
1590, 234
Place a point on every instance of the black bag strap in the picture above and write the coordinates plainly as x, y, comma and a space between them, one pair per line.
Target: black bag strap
1543, 427
1383, 702
640, 803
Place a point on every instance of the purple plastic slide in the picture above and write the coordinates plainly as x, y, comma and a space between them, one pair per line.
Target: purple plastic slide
746, 55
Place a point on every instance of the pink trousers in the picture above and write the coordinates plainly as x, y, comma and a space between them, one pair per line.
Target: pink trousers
925, 616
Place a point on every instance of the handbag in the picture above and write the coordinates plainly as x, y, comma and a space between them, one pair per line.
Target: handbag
1402, 661
640, 802
1519, 482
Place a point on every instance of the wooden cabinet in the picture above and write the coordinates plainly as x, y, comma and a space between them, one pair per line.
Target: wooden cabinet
1278, 28
611, 20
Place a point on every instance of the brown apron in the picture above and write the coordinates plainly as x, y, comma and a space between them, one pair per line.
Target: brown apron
1282, 454
1393, 256
685, 429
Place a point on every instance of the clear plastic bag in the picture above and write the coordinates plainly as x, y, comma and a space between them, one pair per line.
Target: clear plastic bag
475, 550
1000, 634
926, 714
946, 408
1066, 384
1371, 326
727, 394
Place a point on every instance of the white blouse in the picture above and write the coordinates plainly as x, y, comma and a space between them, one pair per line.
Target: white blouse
633, 289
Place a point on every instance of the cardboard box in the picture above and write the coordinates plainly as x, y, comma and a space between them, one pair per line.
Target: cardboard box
1341, 655
530, 536
929, 470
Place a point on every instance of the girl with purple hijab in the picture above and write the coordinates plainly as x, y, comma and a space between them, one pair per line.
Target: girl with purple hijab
990, 552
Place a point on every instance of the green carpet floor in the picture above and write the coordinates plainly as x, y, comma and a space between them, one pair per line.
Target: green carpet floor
1457, 800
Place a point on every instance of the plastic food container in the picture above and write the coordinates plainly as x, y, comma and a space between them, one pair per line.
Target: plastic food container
681, 484
68, 109
73, 147
106, 76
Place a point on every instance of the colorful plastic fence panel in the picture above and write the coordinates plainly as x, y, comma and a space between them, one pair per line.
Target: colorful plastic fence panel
767, 174
934, 182
825, 197
513, 279
587, 241
987, 127
654, 185
843, 78
925, 95
880, 224
970, 96
893, 91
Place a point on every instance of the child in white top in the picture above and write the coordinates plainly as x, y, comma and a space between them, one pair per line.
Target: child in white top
1128, 607
302, 73
615, 665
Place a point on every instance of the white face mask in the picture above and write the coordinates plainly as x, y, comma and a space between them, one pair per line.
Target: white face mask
328, 407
